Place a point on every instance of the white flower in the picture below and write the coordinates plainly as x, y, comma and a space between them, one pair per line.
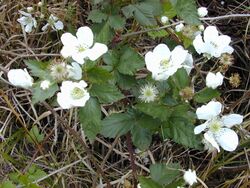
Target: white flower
40, 4
30, 9
138, 185
72, 94
214, 80
202, 11
20, 77
190, 177
214, 44
164, 19
27, 21
54, 23
217, 128
79, 48
45, 84
163, 63
74, 71
179, 27
148, 93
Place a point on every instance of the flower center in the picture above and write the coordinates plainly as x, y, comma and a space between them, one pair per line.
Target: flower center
165, 63
214, 44
215, 126
148, 93
81, 48
77, 93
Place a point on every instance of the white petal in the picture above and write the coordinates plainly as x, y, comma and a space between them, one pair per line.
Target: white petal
67, 51
198, 129
214, 80
24, 13
207, 112
178, 55
188, 64
210, 34
74, 71
85, 36
80, 57
28, 27
151, 63
162, 51
62, 101
228, 139
232, 119
20, 77
198, 44
22, 20
97, 51
69, 40
44, 28
210, 138
59, 25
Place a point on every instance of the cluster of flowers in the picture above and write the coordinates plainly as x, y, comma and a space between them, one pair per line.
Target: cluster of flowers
28, 22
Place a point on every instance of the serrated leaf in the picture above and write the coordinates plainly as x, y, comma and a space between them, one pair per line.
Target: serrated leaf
97, 16
125, 81
141, 137
160, 111
206, 95
103, 33
187, 10
34, 133
116, 22
117, 124
98, 75
169, 11
130, 61
142, 12
182, 132
164, 173
38, 68
181, 79
106, 93
148, 183
90, 118
39, 95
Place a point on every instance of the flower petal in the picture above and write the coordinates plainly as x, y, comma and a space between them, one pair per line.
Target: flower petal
207, 112
97, 51
228, 139
232, 119
85, 36
198, 129
69, 40
214, 80
58, 25
210, 34
28, 27
162, 51
210, 138
178, 55
44, 28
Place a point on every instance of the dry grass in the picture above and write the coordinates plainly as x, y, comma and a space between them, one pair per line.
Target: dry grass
65, 155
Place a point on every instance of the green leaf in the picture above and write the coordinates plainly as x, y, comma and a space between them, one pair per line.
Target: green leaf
98, 75
117, 124
160, 111
142, 12
7, 184
38, 68
112, 57
156, 6
39, 95
164, 174
34, 133
158, 34
97, 16
130, 61
106, 93
148, 183
181, 79
141, 137
187, 10
206, 95
116, 22
103, 33
169, 11
90, 118
35, 173
182, 132
125, 81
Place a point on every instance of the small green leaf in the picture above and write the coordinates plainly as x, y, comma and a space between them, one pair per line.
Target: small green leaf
164, 174
117, 124
90, 118
7, 184
148, 183
181, 79
182, 132
116, 22
130, 61
97, 16
206, 95
38, 68
39, 95
169, 11
125, 81
187, 10
34, 133
98, 75
106, 93
103, 33
141, 137
160, 111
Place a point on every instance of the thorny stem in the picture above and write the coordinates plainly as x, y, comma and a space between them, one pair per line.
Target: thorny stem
176, 23
132, 158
